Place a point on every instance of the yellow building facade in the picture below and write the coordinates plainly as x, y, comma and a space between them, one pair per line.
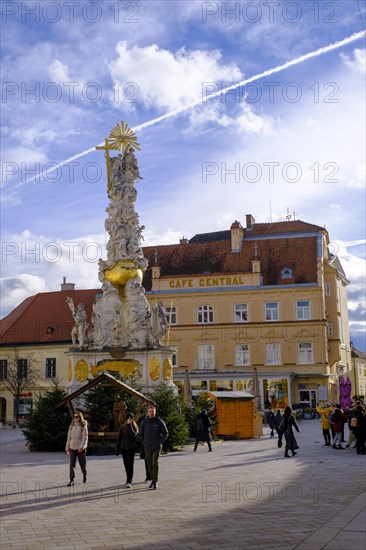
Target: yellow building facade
223, 325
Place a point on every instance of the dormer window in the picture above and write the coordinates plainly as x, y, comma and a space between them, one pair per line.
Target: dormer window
287, 273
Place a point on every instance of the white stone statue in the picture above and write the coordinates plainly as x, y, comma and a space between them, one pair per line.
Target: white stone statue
159, 324
78, 332
124, 318
138, 315
105, 312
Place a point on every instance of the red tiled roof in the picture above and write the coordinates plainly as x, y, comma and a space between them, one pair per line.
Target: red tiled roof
28, 323
204, 254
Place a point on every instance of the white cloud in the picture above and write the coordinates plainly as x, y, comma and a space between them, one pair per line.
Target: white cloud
167, 80
357, 62
59, 72
17, 288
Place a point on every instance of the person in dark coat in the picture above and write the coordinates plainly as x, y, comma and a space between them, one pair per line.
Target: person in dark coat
153, 433
338, 419
126, 444
289, 423
360, 430
270, 420
203, 432
277, 421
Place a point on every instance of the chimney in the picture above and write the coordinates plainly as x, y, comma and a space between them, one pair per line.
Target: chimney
183, 241
256, 263
237, 234
250, 221
67, 286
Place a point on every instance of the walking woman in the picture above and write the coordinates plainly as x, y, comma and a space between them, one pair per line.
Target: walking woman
76, 444
289, 423
127, 443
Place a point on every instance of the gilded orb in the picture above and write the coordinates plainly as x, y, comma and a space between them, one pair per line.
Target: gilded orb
121, 272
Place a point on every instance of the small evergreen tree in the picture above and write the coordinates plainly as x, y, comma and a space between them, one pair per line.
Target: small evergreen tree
46, 429
169, 409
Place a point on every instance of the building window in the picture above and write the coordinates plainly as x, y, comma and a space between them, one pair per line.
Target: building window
174, 358
327, 289
50, 368
273, 354
242, 354
287, 273
171, 315
303, 310
240, 313
305, 353
205, 314
22, 368
330, 330
3, 369
25, 408
206, 356
272, 311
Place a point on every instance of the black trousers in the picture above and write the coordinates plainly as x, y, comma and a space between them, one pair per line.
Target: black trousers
74, 454
326, 435
198, 439
128, 456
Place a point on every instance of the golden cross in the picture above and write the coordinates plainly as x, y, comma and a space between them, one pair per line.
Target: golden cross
107, 147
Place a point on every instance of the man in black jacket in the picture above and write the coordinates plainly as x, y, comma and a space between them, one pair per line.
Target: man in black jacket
153, 433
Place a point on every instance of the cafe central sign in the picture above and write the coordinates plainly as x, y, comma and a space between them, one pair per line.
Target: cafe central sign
207, 281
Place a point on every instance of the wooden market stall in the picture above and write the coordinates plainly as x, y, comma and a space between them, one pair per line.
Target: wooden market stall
235, 414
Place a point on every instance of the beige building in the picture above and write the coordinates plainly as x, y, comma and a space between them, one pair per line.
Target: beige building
268, 296
358, 372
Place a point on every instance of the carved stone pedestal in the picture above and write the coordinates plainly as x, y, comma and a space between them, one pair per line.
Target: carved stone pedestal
149, 366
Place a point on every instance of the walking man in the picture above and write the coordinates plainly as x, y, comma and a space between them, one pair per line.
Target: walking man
153, 433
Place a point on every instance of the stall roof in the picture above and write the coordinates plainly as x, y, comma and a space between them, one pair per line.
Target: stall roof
232, 394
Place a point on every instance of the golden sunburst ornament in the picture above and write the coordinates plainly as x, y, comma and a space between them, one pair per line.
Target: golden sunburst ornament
122, 138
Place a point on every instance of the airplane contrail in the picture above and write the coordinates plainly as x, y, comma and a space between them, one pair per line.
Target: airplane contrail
320, 51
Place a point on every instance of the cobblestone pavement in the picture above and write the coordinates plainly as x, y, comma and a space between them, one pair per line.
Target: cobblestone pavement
243, 495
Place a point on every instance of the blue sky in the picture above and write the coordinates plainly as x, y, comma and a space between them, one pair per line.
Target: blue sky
291, 141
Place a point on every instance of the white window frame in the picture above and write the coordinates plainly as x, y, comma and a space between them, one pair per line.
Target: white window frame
287, 273
205, 315
303, 312
305, 353
273, 354
271, 313
240, 313
206, 357
171, 315
242, 355
50, 365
